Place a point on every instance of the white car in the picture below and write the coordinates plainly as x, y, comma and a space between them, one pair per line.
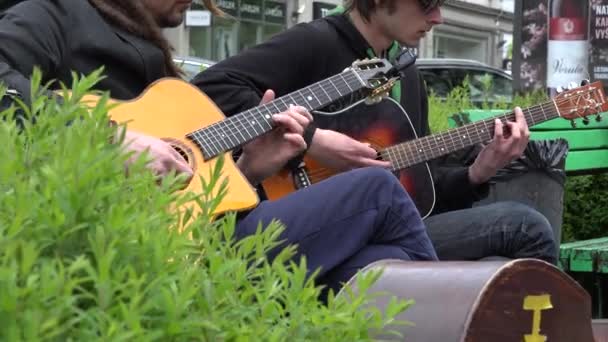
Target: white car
192, 65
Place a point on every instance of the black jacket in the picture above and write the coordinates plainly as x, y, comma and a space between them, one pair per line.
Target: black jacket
60, 36
311, 52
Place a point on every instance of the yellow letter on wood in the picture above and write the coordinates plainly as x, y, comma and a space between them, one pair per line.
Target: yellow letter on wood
536, 304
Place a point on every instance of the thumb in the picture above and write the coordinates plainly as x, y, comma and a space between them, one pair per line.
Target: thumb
268, 96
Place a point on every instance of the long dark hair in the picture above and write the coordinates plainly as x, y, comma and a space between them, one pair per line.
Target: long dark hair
132, 16
367, 7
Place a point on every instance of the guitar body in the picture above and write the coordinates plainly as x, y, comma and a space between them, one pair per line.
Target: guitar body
381, 125
170, 109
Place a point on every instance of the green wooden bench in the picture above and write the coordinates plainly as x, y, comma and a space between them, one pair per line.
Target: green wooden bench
586, 261
588, 144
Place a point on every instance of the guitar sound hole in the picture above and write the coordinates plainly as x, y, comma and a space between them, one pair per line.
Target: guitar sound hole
183, 151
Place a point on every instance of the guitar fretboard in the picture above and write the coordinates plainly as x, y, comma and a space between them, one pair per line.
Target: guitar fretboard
430, 147
234, 131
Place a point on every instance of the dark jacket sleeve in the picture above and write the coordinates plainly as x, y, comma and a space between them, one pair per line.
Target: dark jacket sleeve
453, 189
33, 33
285, 63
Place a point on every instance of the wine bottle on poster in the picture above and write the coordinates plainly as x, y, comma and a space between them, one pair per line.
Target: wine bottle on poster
568, 43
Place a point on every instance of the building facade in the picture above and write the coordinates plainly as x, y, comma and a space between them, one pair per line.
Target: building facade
250, 22
472, 29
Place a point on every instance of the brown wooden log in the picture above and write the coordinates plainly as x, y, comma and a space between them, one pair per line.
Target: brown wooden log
485, 301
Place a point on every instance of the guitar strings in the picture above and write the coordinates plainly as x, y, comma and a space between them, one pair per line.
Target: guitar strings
227, 132
533, 116
427, 148
237, 125
231, 128
239, 119
453, 140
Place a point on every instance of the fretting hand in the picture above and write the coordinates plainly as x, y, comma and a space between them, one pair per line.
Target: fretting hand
507, 145
267, 154
341, 152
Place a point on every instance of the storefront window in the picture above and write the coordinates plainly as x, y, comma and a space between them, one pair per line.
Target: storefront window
450, 46
252, 22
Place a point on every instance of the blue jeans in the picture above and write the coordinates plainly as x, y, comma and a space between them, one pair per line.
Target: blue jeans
503, 229
345, 223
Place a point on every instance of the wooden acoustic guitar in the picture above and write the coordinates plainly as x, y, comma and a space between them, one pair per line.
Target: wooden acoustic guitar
186, 118
387, 127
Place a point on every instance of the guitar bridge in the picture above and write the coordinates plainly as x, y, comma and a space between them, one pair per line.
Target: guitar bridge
300, 177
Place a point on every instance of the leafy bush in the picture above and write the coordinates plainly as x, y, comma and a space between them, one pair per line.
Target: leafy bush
90, 253
585, 197
458, 99
585, 203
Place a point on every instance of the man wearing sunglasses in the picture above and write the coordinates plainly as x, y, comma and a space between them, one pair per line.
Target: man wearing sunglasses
312, 51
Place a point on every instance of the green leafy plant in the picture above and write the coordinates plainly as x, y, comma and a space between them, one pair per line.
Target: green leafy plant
440, 110
585, 203
89, 252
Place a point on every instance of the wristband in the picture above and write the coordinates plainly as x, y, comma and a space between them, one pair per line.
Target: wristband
308, 134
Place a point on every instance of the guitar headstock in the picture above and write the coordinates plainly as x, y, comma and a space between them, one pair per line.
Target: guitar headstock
380, 75
581, 101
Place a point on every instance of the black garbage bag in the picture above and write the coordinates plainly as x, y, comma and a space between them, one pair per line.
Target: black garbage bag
535, 179
548, 156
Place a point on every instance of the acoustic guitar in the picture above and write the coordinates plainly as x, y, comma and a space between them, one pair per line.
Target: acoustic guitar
191, 123
387, 127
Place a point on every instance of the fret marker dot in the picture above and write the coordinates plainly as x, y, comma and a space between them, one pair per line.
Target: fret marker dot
309, 98
253, 122
267, 116
464, 136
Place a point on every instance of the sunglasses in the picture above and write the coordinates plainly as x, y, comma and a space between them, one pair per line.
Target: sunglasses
429, 5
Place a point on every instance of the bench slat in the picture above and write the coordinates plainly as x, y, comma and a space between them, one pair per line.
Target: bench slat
581, 139
588, 161
586, 256
555, 124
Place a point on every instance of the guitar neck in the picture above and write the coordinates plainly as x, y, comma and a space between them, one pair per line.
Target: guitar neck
239, 129
430, 147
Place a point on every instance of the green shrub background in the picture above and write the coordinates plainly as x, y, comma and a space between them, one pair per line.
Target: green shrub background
88, 253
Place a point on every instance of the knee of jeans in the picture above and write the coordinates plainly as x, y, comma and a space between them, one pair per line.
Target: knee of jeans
375, 176
534, 222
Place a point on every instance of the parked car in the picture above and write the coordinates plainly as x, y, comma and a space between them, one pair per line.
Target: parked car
192, 65
441, 75
444, 74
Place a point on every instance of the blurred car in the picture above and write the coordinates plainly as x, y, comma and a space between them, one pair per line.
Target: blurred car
485, 82
192, 65
440, 74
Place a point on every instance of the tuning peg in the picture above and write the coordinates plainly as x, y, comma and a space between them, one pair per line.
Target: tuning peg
573, 123
559, 89
585, 121
598, 118
585, 82
572, 85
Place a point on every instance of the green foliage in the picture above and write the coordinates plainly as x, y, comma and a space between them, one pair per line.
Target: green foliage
440, 109
585, 203
458, 100
90, 253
